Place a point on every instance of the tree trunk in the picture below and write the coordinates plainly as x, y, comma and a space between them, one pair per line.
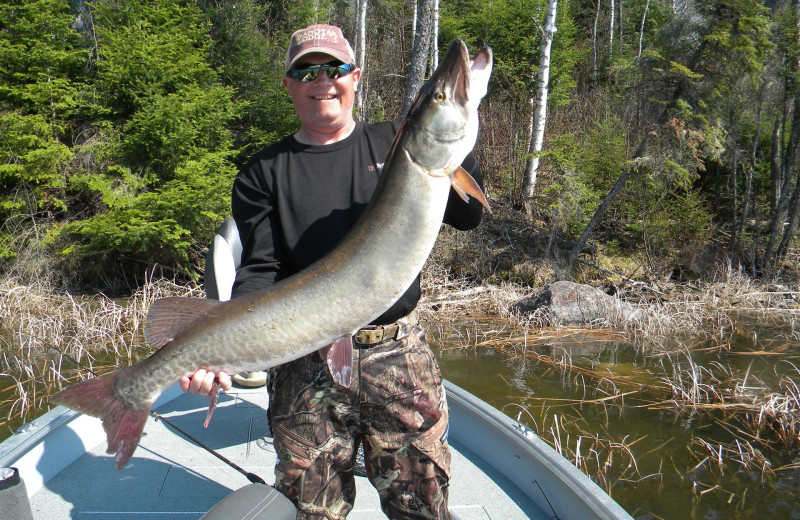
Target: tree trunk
419, 53
595, 65
435, 37
785, 173
734, 187
775, 164
641, 30
611, 13
791, 228
361, 55
539, 117
748, 172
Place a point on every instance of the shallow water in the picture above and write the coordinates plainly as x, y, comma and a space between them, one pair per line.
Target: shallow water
658, 468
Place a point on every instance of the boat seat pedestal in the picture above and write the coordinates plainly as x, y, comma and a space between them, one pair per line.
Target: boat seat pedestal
13, 496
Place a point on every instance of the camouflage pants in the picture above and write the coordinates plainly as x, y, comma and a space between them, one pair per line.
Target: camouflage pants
395, 407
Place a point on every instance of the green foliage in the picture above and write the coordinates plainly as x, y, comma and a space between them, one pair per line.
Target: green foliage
41, 91
150, 176
148, 50
183, 125
160, 225
30, 159
122, 122
252, 64
603, 155
169, 170
42, 60
513, 30
679, 226
32, 176
568, 202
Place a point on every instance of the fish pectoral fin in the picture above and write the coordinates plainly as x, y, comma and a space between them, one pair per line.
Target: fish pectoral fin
340, 360
168, 317
463, 183
213, 396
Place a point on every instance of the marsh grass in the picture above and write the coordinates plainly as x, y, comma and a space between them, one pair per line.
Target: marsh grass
50, 338
670, 335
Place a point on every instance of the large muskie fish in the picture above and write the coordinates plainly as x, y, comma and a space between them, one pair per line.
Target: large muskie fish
331, 299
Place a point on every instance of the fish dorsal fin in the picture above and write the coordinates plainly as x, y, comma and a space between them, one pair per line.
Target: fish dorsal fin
466, 186
170, 316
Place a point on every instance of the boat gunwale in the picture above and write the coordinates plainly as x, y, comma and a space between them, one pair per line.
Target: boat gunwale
564, 501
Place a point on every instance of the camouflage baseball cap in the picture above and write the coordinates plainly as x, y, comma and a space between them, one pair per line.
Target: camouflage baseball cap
327, 39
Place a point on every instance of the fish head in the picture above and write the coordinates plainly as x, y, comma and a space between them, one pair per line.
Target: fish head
442, 124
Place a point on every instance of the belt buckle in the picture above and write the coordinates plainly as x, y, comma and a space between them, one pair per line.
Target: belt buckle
369, 336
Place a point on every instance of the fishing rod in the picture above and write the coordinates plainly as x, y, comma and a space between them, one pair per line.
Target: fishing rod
252, 477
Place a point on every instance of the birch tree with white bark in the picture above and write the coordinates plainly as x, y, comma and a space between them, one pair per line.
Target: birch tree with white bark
435, 37
641, 30
539, 117
361, 54
611, 29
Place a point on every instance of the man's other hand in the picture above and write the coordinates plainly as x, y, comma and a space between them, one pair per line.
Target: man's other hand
200, 382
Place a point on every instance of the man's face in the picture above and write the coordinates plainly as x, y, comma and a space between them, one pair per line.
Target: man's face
323, 104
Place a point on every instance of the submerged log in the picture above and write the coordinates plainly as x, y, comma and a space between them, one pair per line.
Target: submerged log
570, 303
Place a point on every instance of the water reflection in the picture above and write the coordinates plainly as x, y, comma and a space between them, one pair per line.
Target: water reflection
616, 411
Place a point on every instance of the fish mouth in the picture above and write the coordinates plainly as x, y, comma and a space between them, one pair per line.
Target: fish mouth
451, 78
453, 72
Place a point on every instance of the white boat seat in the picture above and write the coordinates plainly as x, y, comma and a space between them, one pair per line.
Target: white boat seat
253, 502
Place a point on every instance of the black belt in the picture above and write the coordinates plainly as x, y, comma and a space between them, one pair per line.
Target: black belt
372, 335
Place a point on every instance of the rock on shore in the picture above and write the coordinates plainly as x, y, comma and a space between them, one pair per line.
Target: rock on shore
570, 303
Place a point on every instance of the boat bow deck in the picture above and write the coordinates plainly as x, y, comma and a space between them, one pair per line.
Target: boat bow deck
170, 477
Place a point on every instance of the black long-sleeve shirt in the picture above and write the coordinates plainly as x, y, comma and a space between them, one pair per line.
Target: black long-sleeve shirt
294, 202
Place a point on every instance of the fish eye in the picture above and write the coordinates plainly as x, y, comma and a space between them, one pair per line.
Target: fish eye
439, 96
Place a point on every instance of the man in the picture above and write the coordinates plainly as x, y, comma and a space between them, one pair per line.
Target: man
292, 203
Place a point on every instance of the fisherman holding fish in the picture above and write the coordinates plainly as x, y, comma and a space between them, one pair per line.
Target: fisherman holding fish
292, 203
332, 240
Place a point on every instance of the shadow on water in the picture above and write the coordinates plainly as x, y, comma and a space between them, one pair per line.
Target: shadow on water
613, 410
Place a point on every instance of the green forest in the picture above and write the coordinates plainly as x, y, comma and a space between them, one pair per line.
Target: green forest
672, 137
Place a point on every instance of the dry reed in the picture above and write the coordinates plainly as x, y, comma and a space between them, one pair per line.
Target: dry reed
48, 338
670, 332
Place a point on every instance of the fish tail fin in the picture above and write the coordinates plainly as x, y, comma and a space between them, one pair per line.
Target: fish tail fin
123, 425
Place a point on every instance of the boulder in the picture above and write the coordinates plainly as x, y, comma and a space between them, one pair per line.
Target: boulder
570, 303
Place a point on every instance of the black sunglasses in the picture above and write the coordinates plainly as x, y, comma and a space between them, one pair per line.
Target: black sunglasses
306, 73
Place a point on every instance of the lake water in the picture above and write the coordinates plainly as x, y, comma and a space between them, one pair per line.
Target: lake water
655, 462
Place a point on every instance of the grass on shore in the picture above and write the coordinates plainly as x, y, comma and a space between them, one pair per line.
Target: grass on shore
49, 338
672, 334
